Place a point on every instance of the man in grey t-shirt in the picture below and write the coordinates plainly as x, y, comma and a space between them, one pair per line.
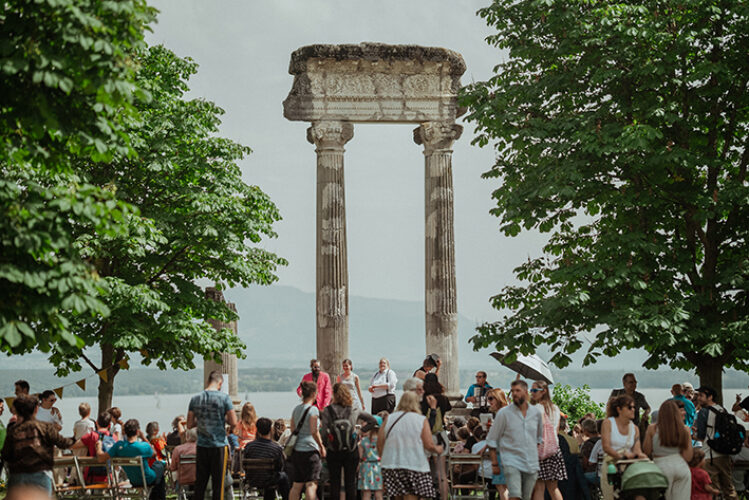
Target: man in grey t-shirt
208, 411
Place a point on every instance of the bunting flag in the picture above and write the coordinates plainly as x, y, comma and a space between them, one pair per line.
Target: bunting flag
103, 374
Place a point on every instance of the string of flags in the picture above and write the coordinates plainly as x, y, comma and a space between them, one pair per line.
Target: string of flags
102, 374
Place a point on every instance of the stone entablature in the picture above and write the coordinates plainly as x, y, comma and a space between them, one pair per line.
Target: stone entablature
373, 82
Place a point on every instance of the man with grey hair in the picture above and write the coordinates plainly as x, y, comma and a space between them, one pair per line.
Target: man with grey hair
414, 384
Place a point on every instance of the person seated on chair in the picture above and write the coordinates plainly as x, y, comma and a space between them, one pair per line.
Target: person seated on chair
185, 471
264, 447
131, 447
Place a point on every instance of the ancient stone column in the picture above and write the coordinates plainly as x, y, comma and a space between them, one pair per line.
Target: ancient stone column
228, 364
331, 257
440, 291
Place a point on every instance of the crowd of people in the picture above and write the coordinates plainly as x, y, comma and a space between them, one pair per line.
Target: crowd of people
398, 449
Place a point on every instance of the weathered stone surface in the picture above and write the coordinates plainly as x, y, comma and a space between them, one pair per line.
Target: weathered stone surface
228, 364
374, 83
441, 303
331, 256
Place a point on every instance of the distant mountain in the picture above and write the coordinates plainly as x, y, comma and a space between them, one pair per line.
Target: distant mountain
278, 325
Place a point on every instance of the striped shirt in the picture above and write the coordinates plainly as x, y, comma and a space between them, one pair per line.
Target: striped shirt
264, 448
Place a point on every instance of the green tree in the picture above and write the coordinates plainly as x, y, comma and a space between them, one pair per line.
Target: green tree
198, 220
66, 87
621, 129
575, 403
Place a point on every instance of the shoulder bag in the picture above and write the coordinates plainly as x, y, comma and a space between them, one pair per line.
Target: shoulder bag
289, 448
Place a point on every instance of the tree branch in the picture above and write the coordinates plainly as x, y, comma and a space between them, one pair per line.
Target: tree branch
171, 261
90, 363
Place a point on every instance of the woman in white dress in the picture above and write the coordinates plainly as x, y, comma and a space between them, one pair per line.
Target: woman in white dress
351, 381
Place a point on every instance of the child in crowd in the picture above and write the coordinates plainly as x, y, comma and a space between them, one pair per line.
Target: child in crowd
462, 436
158, 443
370, 474
115, 428
471, 424
702, 488
590, 438
83, 427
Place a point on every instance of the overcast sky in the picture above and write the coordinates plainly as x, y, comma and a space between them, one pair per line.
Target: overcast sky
243, 49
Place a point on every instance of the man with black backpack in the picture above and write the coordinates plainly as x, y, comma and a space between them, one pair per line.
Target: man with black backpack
338, 431
719, 431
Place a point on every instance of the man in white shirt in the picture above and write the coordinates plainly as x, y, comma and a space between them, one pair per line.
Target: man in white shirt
517, 431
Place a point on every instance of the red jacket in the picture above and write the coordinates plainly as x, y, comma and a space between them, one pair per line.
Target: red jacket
324, 389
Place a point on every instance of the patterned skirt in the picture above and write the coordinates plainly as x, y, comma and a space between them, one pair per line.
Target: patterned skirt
552, 468
400, 482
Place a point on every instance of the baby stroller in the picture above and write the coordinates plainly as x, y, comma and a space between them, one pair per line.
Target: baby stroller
638, 477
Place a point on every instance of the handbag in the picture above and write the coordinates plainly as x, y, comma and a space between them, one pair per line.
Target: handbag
551, 442
289, 448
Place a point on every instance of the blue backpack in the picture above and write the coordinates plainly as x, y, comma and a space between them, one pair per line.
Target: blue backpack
107, 442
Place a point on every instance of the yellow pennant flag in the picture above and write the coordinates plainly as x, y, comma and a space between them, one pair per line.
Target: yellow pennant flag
58, 391
103, 375
81, 384
123, 364
9, 402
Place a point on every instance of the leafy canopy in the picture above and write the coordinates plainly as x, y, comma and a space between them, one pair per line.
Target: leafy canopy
66, 88
198, 220
621, 130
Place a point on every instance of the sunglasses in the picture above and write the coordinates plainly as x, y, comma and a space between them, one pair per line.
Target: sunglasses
536, 389
631, 407
490, 398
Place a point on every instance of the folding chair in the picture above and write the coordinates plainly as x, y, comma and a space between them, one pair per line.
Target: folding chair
96, 490
68, 490
125, 489
466, 489
186, 489
252, 467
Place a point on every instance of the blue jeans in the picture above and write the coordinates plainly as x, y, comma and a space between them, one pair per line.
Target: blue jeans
40, 479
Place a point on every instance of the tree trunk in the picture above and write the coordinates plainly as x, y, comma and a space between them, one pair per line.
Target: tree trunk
106, 388
710, 372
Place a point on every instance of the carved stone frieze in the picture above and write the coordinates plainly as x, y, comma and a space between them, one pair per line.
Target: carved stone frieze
374, 83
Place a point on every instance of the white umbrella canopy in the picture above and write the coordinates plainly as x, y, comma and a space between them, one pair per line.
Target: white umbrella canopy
531, 367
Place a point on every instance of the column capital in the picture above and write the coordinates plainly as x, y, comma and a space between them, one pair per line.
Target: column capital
330, 134
437, 135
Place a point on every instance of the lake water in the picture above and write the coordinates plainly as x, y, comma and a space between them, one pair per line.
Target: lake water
163, 408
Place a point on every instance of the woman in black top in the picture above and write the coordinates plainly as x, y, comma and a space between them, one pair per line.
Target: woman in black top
435, 406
